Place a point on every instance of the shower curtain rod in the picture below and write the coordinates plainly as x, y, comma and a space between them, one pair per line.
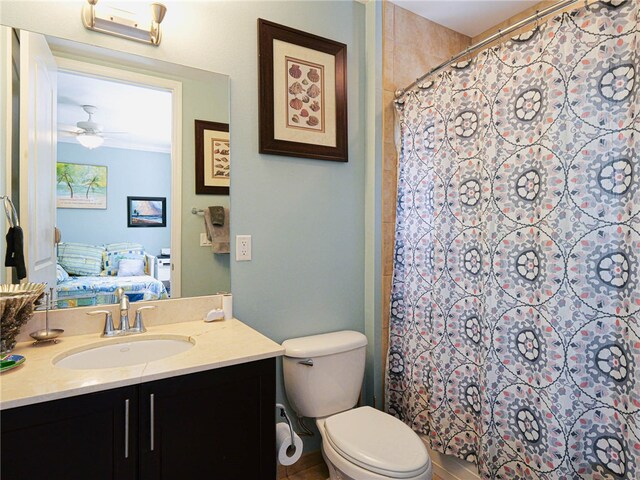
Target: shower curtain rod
399, 94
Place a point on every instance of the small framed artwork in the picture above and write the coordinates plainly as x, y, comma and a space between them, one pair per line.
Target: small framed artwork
213, 160
81, 186
146, 212
303, 94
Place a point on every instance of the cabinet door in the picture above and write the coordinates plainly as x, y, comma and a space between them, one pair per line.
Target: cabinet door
87, 437
217, 424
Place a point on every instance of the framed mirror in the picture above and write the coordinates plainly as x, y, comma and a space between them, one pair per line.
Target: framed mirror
108, 150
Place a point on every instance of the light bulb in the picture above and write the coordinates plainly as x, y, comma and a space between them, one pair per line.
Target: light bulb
89, 140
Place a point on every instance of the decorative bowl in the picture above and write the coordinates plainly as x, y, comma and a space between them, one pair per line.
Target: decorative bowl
16, 307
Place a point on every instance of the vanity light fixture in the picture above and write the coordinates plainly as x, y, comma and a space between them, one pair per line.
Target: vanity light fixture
89, 140
122, 23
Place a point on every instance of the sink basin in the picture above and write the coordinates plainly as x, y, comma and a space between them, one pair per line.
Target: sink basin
123, 352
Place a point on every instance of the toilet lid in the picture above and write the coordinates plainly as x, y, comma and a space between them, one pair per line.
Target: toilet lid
377, 442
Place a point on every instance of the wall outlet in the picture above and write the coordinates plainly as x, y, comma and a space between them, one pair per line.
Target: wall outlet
204, 241
243, 248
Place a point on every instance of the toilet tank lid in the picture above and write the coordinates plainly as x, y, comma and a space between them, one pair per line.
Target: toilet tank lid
323, 344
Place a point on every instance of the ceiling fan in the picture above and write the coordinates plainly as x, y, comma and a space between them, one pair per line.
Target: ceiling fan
89, 133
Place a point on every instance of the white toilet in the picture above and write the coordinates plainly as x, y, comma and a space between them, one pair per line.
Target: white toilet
322, 377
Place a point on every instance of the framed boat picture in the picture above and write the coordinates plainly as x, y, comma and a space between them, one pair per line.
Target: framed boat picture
303, 94
146, 212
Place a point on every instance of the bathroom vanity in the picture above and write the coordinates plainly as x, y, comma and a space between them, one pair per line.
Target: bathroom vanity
204, 413
213, 424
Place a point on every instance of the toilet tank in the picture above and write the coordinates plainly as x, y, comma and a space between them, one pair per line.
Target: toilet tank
323, 373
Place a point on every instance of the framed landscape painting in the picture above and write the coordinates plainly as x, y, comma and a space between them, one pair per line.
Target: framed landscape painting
146, 212
81, 186
303, 94
213, 158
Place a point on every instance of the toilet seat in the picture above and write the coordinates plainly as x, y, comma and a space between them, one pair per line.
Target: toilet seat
377, 442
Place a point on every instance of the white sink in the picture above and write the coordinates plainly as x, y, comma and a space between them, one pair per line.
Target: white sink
123, 352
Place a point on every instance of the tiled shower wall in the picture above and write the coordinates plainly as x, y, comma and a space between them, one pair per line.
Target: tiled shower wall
515, 19
412, 45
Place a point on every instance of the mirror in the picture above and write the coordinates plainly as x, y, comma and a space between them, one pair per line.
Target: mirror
119, 184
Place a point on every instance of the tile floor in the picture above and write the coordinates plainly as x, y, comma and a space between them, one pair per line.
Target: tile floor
319, 472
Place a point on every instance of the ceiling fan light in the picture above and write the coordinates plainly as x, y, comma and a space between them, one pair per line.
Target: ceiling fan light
90, 141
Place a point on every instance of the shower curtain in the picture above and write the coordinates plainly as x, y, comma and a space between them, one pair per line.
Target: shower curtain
515, 309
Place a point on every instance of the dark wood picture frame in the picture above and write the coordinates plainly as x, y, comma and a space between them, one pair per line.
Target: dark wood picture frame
202, 126
268, 32
134, 221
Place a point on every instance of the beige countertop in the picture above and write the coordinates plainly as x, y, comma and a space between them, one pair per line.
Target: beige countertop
216, 344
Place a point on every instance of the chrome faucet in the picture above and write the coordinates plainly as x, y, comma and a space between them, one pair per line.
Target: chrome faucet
124, 314
125, 328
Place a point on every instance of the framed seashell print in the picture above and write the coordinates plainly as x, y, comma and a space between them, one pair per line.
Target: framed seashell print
212, 158
303, 94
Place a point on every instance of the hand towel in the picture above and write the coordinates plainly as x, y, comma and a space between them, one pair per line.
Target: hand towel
217, 234
15, 251
208, 223
217, 215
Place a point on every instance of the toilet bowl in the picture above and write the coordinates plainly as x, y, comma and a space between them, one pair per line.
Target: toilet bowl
366, 444
322, 376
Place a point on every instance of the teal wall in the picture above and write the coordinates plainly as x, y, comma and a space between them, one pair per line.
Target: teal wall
203, 272
129, 173
306, 216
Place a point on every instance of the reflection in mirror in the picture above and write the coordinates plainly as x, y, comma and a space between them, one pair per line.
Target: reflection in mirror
106, 198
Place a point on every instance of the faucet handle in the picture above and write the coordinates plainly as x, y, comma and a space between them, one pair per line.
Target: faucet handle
109, 329
146, 307
138, 325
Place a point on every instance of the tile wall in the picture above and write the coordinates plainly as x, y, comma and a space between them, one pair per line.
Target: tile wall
412, 45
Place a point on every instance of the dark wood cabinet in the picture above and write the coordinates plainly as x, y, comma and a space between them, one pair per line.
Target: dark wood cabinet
213, 424
210, 426
73, 439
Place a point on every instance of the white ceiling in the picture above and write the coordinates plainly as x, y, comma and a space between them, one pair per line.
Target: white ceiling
143, 114
469, 17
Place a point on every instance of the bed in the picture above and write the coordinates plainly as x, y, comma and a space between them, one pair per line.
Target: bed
88, 275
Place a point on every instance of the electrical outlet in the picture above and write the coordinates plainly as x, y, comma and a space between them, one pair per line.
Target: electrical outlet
243, 248
204, 241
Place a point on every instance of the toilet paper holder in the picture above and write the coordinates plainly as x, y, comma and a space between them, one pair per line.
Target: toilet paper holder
283, 414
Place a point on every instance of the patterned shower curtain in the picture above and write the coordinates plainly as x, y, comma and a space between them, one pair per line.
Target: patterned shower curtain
515, 309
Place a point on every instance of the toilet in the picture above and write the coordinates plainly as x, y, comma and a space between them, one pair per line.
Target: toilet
322, 378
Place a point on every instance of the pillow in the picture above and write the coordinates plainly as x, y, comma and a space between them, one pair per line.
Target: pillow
61, 274
115, 247
130, 267
114, 252
80, 258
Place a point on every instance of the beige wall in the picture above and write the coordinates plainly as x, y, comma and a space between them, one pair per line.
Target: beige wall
412, 45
